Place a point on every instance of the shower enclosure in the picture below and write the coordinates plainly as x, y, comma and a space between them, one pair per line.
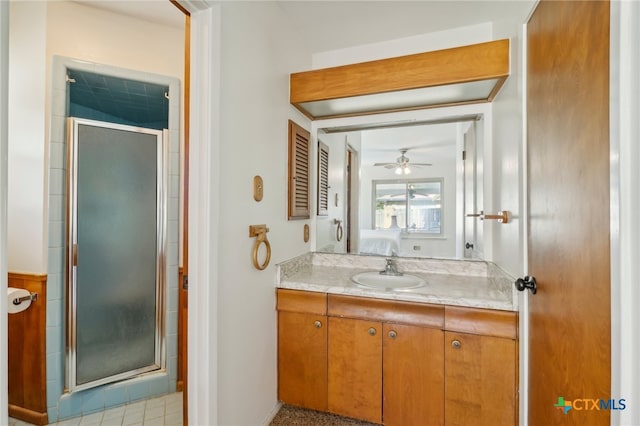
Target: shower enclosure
115, 252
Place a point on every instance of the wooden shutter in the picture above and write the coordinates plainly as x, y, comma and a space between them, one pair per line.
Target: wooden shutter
299, 172
323, 179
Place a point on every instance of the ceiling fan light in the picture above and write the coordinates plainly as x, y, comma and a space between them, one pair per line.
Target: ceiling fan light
403, 169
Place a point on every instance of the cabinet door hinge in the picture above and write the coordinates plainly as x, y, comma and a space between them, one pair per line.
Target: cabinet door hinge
185, 282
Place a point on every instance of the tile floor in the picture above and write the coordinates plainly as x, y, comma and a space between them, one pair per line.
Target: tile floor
161, 411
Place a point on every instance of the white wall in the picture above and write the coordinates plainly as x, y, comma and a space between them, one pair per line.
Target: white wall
103, 37
506, 159
509, 190
258, 51
27, 153
405, 46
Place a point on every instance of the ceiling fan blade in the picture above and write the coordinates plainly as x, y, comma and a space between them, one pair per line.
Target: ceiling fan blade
420, 164
386, 164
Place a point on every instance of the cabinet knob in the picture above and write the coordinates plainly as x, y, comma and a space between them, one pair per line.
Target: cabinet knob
456, 344
393, 334
317, 324
372, 331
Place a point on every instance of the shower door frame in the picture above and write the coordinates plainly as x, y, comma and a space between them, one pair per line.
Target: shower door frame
71, 252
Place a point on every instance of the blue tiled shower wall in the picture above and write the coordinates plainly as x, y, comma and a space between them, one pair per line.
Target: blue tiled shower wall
62, 405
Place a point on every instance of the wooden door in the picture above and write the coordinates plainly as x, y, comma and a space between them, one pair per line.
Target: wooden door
480, 380
413, 375
355, 368
568, 198
302, 360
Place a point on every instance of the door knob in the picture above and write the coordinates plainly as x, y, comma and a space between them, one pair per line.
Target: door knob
528, 282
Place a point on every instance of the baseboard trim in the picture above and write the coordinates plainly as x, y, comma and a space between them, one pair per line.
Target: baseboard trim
271, 415
29, 416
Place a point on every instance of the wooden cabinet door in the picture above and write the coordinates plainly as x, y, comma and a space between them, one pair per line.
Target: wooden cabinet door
355, 368
480, 380
413, 375
302, 360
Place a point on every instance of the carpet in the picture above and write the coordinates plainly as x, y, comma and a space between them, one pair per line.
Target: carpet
295, 416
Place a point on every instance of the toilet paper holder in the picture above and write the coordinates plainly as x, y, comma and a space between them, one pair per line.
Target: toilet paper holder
31, 298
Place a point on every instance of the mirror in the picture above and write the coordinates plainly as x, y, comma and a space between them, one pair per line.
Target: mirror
403, 187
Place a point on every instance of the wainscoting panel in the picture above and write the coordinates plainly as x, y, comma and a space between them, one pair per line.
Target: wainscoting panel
27, 353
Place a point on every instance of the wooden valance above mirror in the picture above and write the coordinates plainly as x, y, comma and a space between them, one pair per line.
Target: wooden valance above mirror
460, 75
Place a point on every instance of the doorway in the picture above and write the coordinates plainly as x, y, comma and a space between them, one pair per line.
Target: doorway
162, 380
49, 160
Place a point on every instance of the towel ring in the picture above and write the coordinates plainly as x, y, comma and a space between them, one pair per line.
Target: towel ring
339, 230
260, 231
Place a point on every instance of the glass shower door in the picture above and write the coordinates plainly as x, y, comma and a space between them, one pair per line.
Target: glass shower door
115, 252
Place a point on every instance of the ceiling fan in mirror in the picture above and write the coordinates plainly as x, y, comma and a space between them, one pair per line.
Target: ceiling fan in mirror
401, 165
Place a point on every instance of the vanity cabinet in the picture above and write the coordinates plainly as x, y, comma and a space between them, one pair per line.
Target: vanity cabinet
397, 363
302, 349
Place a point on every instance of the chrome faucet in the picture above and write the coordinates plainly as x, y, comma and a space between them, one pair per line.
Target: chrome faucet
390, 269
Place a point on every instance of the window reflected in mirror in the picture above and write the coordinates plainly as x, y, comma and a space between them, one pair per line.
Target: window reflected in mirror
411, 206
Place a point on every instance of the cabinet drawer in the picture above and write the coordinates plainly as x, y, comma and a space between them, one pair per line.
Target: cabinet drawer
301, 301
392, 311
487, 322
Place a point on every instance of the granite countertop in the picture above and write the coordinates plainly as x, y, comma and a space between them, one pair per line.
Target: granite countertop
474, 284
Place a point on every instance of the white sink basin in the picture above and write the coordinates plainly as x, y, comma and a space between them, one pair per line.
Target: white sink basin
375, 279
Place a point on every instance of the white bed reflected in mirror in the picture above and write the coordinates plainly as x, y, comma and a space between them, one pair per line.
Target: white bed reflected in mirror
403, 184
